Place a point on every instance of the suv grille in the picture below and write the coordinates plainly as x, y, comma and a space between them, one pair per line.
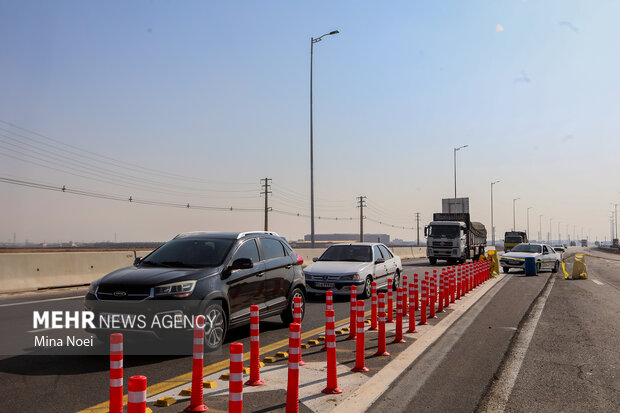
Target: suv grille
123, 292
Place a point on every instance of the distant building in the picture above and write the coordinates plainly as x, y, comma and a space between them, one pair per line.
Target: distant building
384, 238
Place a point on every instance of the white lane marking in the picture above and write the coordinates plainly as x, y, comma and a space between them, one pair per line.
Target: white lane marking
597, 282
40, 301
497, 398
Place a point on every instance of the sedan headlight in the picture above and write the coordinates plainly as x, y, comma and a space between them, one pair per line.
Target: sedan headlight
179, 289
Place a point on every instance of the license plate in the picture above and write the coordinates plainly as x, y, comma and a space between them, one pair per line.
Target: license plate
325, 285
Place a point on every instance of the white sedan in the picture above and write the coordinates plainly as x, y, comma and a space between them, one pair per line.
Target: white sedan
546, 257
359, 264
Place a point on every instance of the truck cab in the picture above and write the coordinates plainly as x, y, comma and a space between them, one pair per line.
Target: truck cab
445, 240
514, 238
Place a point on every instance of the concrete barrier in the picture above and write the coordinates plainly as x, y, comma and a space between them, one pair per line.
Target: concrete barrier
37, 270
33, 271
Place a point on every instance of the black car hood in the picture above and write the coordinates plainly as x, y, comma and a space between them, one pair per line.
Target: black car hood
152, 276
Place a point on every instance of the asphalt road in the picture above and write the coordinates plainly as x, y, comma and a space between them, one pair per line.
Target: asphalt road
571, 363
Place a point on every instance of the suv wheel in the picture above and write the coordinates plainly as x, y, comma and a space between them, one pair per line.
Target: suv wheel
215, 327
287, 315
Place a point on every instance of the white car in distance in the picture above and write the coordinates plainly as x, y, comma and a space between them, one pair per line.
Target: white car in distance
546, 257
358, 264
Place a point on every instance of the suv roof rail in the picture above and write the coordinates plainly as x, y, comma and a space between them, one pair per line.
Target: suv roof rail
243, 234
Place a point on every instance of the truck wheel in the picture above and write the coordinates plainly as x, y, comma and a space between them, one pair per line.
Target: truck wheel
433, 261
506, 269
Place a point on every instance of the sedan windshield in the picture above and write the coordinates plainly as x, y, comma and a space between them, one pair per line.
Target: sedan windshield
190, 253
449, 231
358, 253
527, 248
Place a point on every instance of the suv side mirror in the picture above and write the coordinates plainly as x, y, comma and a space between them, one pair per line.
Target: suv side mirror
379, 260
241, 264
137, 260
426, 231
315, 259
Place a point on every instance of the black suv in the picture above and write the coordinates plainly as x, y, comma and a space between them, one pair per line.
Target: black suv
218, 275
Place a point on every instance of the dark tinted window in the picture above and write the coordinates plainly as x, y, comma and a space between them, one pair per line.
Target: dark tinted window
386, 253
190, 253
272, 248
248, 249
358, 253
526, 248
377, 252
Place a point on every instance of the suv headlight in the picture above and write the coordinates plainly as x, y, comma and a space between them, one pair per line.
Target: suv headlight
180, 289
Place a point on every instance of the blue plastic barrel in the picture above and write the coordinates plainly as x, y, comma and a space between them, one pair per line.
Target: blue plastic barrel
530, 266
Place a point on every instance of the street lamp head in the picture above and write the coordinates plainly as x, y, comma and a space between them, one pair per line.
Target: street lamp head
334, 32
495, 182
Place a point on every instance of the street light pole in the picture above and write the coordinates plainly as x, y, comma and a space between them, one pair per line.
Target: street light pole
492, 226
514, 222
455, 151
549, 237
312, 42
528, 222
540, 227
559, 236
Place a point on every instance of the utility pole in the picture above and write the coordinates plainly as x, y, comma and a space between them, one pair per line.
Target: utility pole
266, 191
528, 223
361, 204
540, 228
417, 220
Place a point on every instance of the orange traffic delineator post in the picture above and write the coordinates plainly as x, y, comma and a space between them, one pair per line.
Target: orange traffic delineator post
330, 343
196, 403
136, 398
116, 373
405, 289
329, 305
292, 388
235, 384
381, 348
254, 348
453, 284
360, 345
399, 317
353, 313
411, 310
432, 297
459, 284
423, 305
416, 291
297, 319
390, 300
446, 288
442, 276
373, 307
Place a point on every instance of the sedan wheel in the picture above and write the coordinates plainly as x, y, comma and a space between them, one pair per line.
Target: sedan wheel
367, 288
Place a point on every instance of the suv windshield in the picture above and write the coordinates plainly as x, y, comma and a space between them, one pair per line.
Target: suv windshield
449, 231
526, 248
361, 253
192, 253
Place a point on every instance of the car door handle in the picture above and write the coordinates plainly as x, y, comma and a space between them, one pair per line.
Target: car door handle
288, 267
260, 274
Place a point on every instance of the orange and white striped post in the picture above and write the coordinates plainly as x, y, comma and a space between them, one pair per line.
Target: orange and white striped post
196, 403
297, 319
446, 288
453, 284
399, 317
292, 388
423, 305
254, 348
116, 373
432, 297
360, 345
411, 310
136, 398
330, 343
235, 383
353, 313
442, 277
459, 283
381, 348
416, 291
329, 305
405, 289
373, 307
390, 309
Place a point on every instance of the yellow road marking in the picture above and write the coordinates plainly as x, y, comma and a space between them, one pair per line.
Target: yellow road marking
210, 369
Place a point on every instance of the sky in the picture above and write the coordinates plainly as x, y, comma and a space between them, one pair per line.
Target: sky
194, 102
